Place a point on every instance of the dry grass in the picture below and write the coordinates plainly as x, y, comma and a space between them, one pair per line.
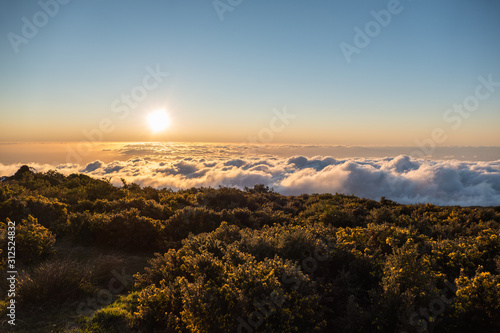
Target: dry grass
54, 281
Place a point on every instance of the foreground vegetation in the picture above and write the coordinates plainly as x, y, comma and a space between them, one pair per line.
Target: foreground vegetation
226, 260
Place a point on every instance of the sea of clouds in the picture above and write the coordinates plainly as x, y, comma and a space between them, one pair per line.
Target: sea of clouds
401, 178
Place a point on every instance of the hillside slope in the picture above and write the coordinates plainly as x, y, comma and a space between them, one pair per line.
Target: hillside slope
225, 260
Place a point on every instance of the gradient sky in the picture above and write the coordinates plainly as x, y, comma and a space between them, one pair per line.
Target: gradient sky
227, 76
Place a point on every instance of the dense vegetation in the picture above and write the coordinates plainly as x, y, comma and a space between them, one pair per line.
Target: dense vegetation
226, 260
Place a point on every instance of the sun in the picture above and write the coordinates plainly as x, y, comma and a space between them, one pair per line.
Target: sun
158, 120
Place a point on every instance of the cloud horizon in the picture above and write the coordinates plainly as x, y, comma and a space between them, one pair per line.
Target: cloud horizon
401, 179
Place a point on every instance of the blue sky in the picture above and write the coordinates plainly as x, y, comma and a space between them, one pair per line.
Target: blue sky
226, 76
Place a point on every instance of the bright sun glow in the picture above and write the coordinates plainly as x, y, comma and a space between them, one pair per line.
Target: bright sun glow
158, 120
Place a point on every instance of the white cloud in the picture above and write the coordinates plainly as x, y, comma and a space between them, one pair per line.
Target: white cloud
401, 178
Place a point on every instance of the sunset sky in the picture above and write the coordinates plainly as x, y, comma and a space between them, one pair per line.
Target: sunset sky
232, 68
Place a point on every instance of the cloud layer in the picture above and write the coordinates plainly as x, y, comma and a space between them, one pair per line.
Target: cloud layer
401, 178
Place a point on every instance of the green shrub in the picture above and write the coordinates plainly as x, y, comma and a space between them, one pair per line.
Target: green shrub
33, 241
108, 320
129, 231
477, 306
